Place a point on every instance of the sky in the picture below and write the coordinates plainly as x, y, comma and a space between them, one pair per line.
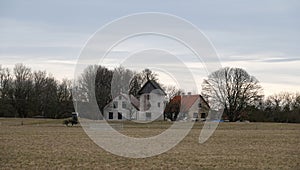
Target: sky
261, 36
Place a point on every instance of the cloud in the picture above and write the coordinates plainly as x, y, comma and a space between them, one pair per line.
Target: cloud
280, 59
260, 36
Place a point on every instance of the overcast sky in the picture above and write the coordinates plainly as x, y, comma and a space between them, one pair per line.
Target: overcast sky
260, 36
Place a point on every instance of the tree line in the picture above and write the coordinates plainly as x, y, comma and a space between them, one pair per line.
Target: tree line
27, 93
241, 97
280, 107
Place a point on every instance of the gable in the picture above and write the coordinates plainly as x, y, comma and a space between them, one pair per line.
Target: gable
149, 86
187, 102
124, 97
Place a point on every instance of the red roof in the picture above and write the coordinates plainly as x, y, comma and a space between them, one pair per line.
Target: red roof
187, 101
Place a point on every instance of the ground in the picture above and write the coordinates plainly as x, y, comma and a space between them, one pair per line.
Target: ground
48, 144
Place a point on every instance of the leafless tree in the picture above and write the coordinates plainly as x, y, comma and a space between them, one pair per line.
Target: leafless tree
6, 92
23, 87
95, 83
121, 81
103, 87
139, 79
232, 89
86, 83
64, 96
38, 94
283, 101
172, 91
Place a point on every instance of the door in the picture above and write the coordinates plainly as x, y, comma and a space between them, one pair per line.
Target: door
110, 115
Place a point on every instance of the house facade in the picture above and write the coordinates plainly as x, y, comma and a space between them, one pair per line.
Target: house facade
190, 107
122, 107
152, 102
148, 106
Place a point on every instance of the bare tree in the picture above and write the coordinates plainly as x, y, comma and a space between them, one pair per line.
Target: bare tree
139, 79
172, 91
6, 93
50, 98
283, 101
121, 81
64, 97
94, 83
296, 101
87, 83
232, 89
38, 100
5, 82
23, 85
135, 85
103, 87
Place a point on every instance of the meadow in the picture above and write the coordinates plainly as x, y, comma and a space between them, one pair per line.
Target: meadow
48, 144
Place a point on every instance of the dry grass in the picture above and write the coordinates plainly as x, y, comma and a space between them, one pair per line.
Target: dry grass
47, 144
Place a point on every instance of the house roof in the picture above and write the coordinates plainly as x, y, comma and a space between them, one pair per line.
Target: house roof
149, 86
187, 101
134, 101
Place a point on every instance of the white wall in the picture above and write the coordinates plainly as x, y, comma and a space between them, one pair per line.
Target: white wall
125, 111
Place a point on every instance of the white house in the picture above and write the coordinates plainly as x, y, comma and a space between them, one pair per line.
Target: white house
189, 107
121, 107
148, 106
152, 102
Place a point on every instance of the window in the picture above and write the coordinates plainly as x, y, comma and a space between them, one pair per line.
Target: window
115, 104
158, 104
123, 104
148, 97
148, 115
203, 115
199, 105
110, 115
195, 115
120, 97
119, 115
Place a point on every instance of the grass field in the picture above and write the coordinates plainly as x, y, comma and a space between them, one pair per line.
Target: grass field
47, 144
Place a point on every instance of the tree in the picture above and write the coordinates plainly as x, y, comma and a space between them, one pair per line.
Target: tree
6, 93
135, 85
283, 107
64, 98
296, 102
38, 103
87, 83
103, 87
23, 87
172, 91
50, 98
139, 79
172, 109
232, 89
94, 83
27, 94
120, 81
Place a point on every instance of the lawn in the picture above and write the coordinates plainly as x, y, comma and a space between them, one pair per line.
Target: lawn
48, 144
